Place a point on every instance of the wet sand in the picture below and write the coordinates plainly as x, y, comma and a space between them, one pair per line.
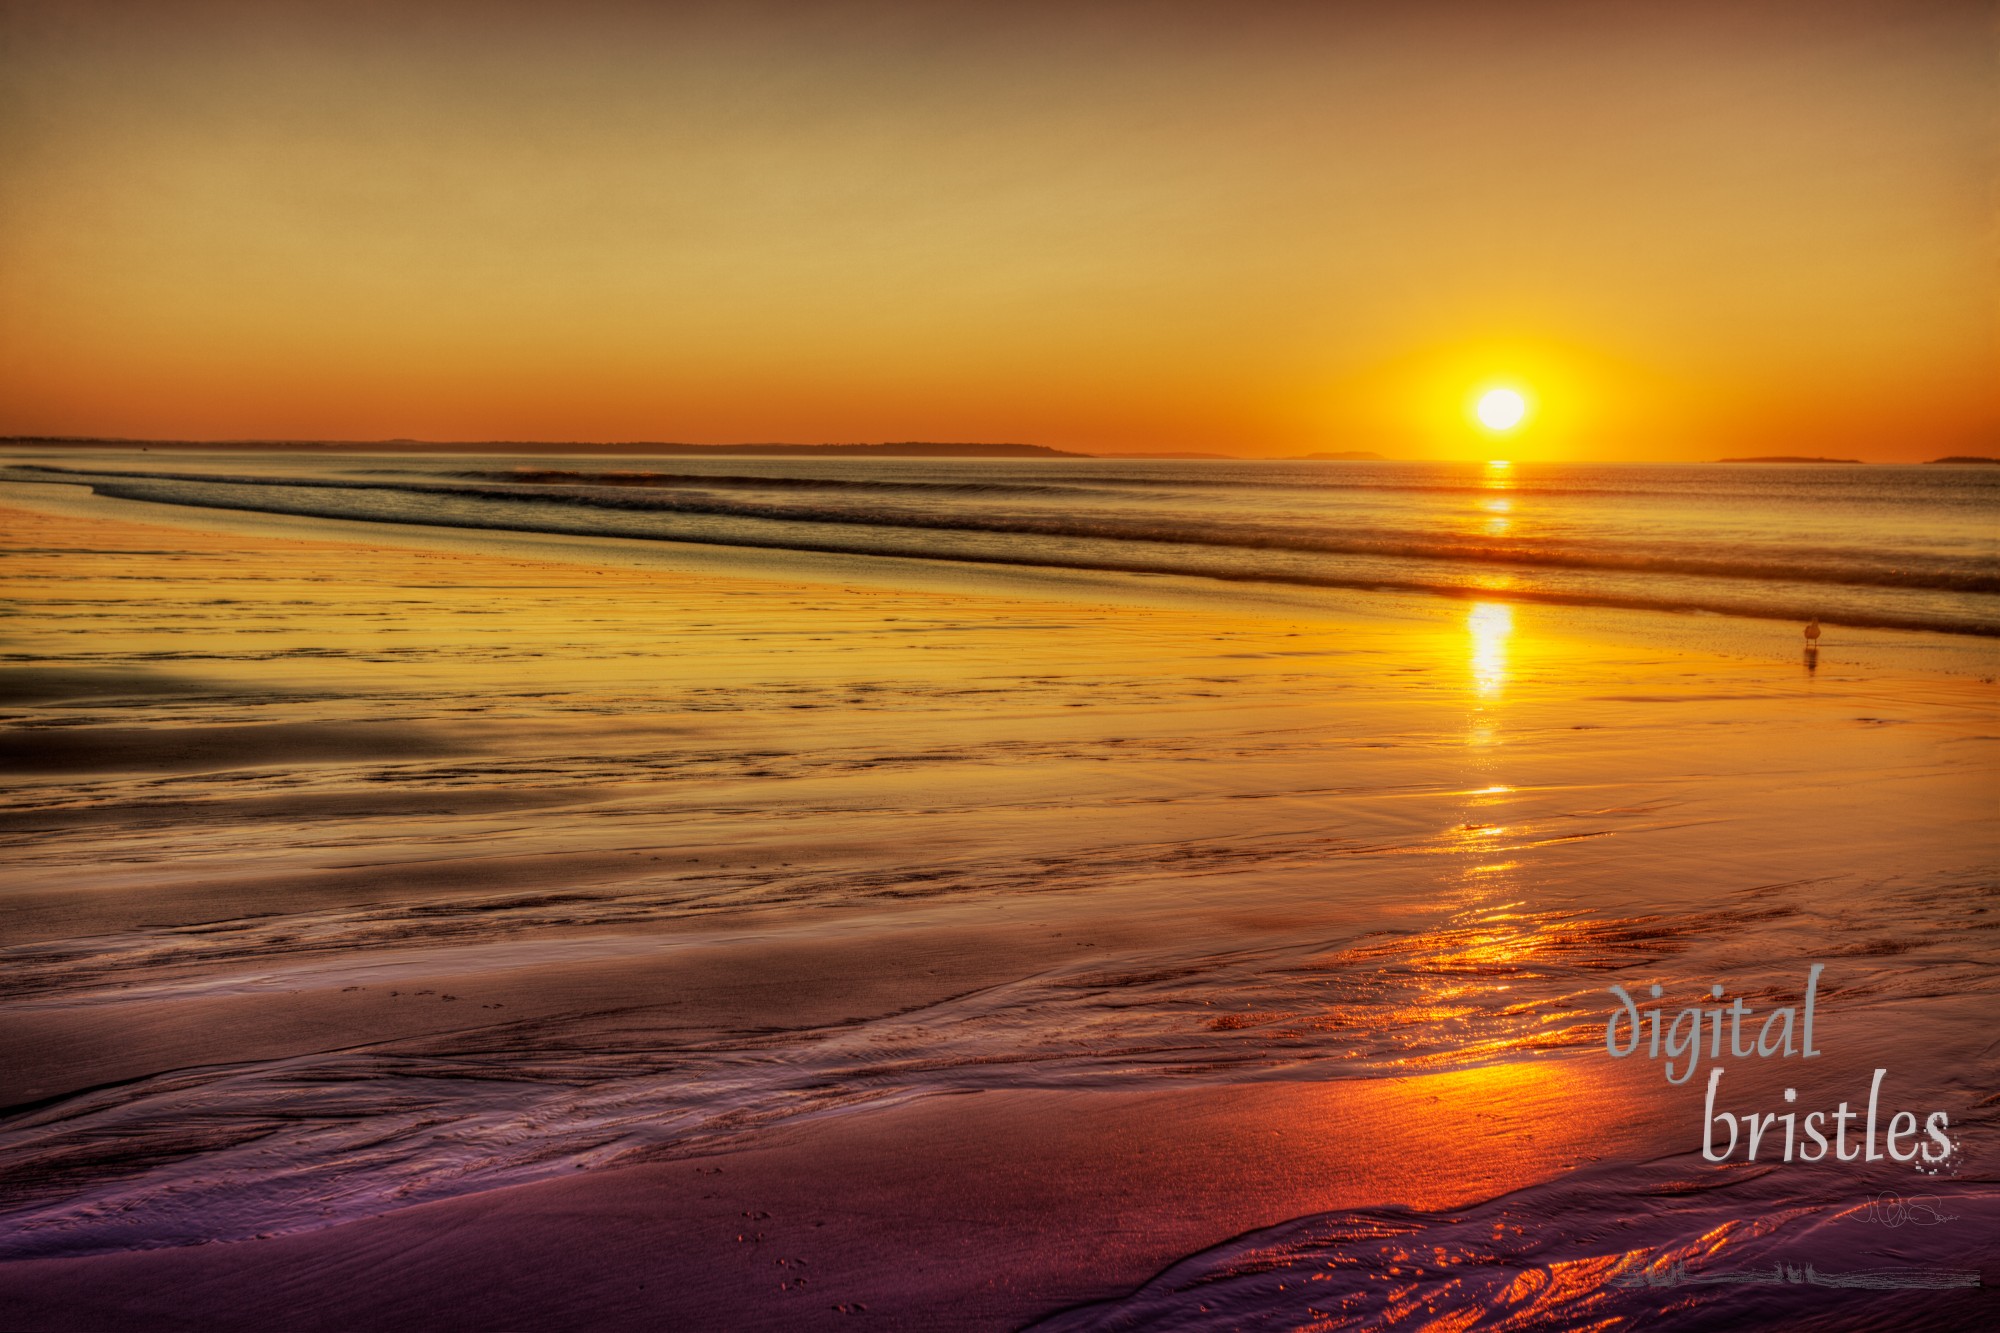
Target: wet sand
961, 1212
400, 932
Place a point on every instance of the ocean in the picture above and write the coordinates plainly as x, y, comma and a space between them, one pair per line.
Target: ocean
1885, 547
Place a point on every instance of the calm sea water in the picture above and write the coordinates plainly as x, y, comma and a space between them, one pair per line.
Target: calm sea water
1914, 547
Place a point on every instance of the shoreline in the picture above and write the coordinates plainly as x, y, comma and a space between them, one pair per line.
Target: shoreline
1706, 589
1869, 649
400, 818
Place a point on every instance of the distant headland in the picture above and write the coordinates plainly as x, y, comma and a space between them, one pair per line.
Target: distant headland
899, 449
1966, 458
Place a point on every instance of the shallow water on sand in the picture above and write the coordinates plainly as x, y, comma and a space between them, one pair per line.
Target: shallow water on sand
1669, 1245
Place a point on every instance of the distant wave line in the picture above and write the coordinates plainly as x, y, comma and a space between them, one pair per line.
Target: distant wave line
1337, 477
1838, 569
1727, 483
1768, 610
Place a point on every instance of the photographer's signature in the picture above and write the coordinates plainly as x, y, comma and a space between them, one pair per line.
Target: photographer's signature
1892, 1210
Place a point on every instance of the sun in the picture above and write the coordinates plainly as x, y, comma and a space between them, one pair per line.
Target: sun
1501, 409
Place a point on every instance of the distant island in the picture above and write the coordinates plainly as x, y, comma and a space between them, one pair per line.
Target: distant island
1344, 456
1964, 458
900, 449
1786, 458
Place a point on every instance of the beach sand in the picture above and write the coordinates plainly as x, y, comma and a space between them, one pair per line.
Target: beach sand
411, 929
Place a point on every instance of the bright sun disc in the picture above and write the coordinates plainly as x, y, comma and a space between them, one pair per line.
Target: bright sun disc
1501, 409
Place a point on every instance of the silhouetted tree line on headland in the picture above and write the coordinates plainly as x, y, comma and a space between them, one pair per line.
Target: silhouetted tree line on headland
900, 449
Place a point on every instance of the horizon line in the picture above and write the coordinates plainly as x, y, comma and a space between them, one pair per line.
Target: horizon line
927, 448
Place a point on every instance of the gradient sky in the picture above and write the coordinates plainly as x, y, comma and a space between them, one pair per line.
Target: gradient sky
1690, 229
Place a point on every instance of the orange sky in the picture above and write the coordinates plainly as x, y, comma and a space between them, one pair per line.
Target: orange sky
1691, 229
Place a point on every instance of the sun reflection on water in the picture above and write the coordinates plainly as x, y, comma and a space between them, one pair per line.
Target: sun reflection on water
1497, 477
1491, 625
